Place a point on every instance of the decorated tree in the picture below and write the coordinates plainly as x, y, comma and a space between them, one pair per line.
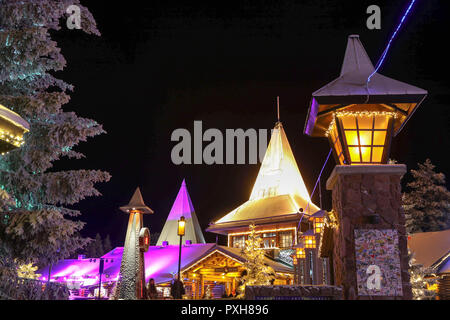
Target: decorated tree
28, 271
423, 283
427, 201
256, 271
39, 226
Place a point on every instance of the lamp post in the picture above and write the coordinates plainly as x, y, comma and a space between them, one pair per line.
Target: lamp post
181, 231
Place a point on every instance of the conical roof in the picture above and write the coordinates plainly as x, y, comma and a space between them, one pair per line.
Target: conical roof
279, 192
182, 206
136, 203
351, 92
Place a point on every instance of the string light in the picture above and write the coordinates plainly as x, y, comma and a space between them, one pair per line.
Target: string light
383, 56
262, 231
357, 114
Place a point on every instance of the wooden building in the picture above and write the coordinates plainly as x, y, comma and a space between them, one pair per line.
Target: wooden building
281, 209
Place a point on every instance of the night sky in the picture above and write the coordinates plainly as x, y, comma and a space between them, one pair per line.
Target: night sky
161, 65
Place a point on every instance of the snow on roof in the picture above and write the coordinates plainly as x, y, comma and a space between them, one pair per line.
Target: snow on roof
161, 263
429, 247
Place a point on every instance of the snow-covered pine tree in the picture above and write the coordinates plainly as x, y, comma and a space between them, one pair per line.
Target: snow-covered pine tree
257, 272
427, 201
39, 227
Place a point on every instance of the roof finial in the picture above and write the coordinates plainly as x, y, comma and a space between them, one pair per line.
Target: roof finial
278, 108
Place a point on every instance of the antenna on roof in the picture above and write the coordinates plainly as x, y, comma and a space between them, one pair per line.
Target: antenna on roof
278, 108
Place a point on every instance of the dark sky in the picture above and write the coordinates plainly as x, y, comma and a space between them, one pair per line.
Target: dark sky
161, 65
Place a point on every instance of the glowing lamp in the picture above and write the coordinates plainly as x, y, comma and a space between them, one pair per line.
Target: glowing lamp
318, 221
294, 260
309, 239
361, 137
300, 253
12, 129
181, 226
359, 117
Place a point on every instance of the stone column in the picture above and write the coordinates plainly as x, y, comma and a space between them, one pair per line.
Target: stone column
370, 232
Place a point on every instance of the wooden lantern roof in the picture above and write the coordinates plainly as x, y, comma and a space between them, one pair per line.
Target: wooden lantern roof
351, 92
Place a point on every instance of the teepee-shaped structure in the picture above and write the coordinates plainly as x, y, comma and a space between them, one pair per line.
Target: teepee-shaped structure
181, 207
279, 193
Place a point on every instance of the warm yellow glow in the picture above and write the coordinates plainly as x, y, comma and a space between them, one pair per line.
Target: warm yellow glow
210, 254
300, 253
279, 173
365, 134
181, 226
309, 242
318, 225
432, 287
263, 231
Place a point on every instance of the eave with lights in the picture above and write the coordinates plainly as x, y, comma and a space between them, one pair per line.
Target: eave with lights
12, 130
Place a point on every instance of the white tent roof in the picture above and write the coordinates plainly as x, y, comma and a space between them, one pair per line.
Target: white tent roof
181, 207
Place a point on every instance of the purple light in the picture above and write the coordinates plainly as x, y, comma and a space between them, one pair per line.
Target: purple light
383, 56
182, 205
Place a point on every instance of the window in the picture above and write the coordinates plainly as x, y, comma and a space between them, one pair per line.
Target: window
365, 136
269, 240
239, 241
286, 239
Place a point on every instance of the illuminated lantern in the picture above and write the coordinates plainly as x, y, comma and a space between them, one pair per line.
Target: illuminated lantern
318, 221
360, 117
309, 239
181, 226
12, 129
300, 253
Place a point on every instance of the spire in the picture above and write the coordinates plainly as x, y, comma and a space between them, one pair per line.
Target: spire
278, 108
137, 203
356, 58
182, 206
279, 173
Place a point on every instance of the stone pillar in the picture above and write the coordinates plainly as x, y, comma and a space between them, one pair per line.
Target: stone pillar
370, 237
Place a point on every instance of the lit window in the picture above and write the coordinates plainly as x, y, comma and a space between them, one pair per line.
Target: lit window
285, 239
239, 241
365, 136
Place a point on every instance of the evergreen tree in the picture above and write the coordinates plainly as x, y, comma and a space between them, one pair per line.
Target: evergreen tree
98, 245
39, 227
107, 247
427, 201
257, 272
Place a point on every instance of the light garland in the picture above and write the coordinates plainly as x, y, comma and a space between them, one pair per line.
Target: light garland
263, 231
357, 114
215, 251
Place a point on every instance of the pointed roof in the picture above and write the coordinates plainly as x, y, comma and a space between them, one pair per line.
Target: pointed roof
181, 207
351, 88
356, 58
136, 203
279, 192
